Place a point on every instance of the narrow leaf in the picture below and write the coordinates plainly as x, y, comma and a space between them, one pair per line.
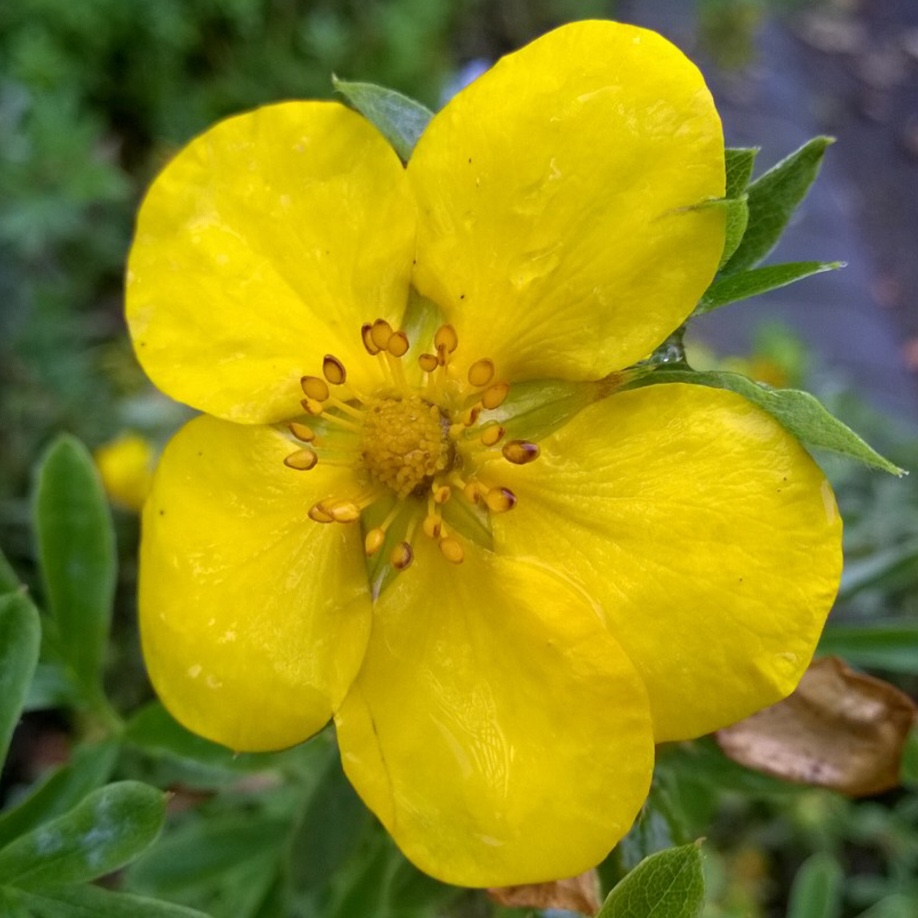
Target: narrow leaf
20, 639
9, 582
89, 768
773, 197
894, 568
817, 889
85, 901
799, 412
669, 884
76, 550
399, 119
102, 833
892, 646
740, 162
733, 287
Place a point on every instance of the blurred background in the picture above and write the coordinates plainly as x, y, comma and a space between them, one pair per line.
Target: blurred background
96, 95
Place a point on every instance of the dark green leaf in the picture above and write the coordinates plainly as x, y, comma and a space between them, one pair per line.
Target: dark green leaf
20, 639
669, 884
737, 221
733, 287
895, 568
799, 412
95, 902
9, 582
76, 550
773, 197
62, 790
399, 119
51, 687
102, 833
740, 162
817, 889
890, 645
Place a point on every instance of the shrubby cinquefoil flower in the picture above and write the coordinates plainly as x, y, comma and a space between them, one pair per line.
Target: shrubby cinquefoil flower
420, 502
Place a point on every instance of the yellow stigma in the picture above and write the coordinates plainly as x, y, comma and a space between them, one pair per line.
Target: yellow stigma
405, 443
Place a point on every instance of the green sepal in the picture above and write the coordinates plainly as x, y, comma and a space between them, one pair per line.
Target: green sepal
817, 888
76, 552
739, 163
773, 197
84, 901
399, 119
105, 831
732, 287
669, 883
20, 641
88, 768
800, 413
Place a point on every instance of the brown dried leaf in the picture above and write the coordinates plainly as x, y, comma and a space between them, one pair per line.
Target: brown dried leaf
839, 729
578, 894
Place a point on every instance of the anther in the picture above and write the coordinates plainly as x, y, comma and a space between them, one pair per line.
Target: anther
402, 556
494, 396
302, 460
374, 541
428, 362
470, 417
493, 434
344, 511
319, 514
315, 388
397, 345
432, 525
312, 406
446, 338
333, 370
380, 333
367, 338
442, 494
472, 492
451, 550
481, 372
500, 500
302, 432
519, 452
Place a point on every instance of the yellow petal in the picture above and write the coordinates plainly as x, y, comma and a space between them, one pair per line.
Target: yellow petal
496, 729
254, 619
263, 246
705, 532
552, 196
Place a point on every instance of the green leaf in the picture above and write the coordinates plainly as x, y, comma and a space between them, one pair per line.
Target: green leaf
890, 645
740, 286
95, 902
740, 162
737, 221
51, 687
799, 412
9, 582
399, 119
76, 550
817, 889
892, 569
20, 640
669, 884
62, 790
773, 197
102, 833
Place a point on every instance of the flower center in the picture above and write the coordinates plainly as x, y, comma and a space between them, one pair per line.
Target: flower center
412, 443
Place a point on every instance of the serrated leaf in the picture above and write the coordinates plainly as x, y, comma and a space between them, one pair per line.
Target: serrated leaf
9, 582
669, 884
892, 646
399, 119
60, 791
817, 889
800, 413
739, 162
105, 831
76, 552
85, 901
740, 286
773, 197
20, 640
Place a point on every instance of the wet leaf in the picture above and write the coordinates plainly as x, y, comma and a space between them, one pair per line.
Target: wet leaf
839, 729
578, 894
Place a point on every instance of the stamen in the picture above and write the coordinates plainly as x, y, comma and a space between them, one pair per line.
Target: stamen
318, 514
442, 494
333, 370
402, 556
470, 417
446, 338
311, 406
355, 413
302, 460
374, 541
380, 333
520, 452
432, 525
500, 500
494, 396
493, 433
481, 372
315, 388
367, 338
302, 432
428, 362
451, 549
342, 511
397, 345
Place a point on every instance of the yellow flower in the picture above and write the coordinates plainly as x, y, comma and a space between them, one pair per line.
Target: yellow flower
125, 465
574, 585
